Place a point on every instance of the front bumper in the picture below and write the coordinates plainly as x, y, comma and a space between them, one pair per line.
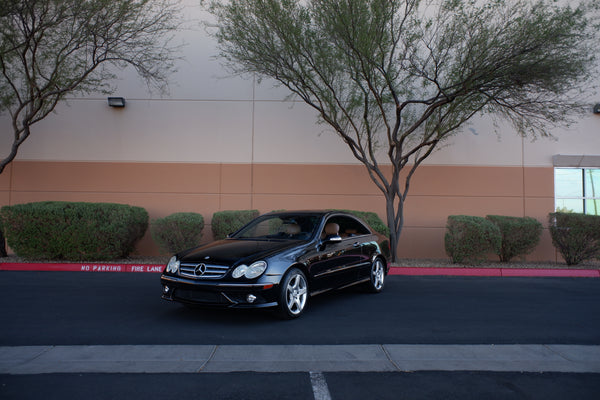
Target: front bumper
219, 294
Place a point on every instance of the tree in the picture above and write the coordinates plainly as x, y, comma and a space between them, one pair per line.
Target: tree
396, 78
52, 48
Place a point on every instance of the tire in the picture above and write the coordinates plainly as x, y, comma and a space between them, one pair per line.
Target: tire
377, 281
294, 294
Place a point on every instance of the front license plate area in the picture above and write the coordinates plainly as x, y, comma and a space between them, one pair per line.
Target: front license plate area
200, 296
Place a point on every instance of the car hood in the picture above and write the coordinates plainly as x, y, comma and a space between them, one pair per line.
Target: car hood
233, 251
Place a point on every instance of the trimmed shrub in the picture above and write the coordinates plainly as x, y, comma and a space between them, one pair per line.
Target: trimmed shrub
372, 219
226, 222
55, 230
576, 236
469, 240
520, 235
177, 232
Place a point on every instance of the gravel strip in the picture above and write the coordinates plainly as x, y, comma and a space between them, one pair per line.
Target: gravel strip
130, 260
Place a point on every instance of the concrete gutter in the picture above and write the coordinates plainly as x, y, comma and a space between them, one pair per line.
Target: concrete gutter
415, 271
298, 358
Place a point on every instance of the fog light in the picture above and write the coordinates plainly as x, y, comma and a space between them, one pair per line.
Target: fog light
166, 289
250, 298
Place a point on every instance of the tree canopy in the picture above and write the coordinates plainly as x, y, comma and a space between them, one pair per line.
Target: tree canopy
395, 78
52, 48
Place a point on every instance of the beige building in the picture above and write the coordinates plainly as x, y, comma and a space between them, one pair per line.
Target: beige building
220, 143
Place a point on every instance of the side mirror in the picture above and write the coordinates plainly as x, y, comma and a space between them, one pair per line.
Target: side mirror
333, 239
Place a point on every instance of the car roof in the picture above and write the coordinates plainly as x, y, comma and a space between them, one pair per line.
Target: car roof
319, 213
312, 212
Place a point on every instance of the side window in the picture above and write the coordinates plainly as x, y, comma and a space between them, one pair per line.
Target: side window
348, 227
577, 190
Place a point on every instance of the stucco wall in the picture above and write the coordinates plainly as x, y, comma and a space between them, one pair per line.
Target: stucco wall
165, 188
218, 142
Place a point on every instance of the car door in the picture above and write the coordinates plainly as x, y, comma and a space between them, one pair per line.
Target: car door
362, 241
334, 261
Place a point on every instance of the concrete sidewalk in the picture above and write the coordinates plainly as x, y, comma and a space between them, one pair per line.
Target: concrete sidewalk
294, 358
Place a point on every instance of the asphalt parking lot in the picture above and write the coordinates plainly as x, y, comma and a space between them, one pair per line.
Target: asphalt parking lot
64, 308
423, 337
345, 385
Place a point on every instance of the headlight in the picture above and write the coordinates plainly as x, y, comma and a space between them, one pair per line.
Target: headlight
253, 271
239, 271
173, 265
256, 269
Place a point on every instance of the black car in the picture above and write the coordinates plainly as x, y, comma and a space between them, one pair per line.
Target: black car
279, 260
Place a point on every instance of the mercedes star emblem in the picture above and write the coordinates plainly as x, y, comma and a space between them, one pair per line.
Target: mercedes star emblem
200, 270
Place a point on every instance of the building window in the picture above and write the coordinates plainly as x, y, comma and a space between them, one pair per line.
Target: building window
577, 190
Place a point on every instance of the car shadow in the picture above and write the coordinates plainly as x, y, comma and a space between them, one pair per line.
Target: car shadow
322, 304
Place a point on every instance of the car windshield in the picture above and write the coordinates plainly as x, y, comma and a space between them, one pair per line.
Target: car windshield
280, 227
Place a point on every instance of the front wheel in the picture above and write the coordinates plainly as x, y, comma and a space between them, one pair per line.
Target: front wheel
377, 281
293, 295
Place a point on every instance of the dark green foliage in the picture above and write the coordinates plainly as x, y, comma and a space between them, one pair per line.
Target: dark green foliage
520, 235
73, 231
576, 236
178, 231
469, 239
372, 219
226, 222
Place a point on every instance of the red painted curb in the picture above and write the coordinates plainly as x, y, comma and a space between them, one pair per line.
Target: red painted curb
83, 267
506, 272
416, 271
575, 273
445, 271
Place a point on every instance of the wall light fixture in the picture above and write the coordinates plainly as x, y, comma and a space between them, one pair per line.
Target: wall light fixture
116, 101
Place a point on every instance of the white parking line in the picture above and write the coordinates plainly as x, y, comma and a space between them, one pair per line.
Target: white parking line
319, 386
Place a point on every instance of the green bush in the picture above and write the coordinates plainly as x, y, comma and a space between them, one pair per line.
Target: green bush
226, 222
73, 231
372, 219
576, 236
470, 239
178, 231
520, 235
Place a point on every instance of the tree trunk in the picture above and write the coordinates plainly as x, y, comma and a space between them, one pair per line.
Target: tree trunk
2, 245
394, 228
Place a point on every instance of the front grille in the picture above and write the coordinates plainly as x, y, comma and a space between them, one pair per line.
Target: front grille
202, 271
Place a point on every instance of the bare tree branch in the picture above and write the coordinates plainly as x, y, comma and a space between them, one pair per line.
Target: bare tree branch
396, 78
52, 48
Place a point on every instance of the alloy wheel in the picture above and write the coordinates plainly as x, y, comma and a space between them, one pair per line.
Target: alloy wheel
296, 293
377, 275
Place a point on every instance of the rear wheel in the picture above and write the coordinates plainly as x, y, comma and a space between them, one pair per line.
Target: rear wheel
293, 295
377, 281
